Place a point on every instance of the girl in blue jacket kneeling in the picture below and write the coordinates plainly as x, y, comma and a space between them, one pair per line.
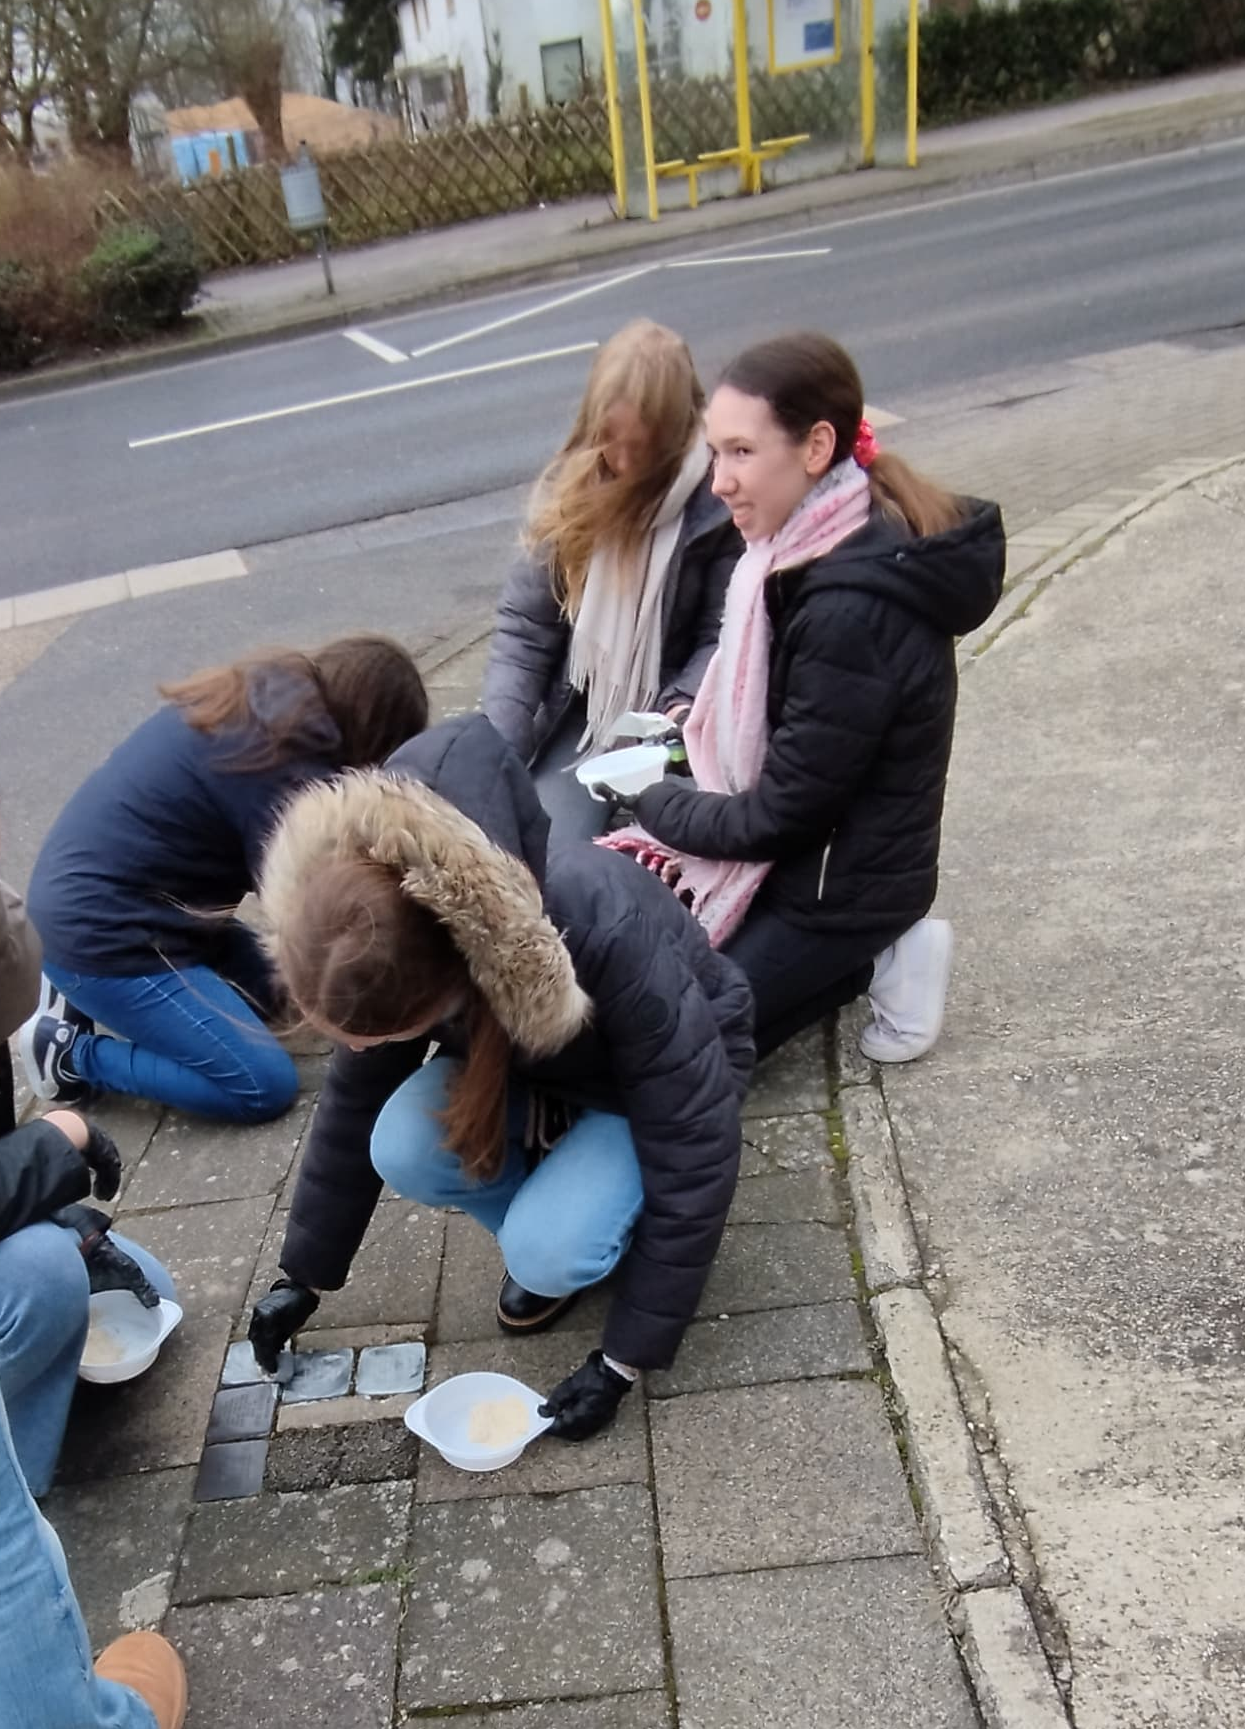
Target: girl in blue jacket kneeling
128, 891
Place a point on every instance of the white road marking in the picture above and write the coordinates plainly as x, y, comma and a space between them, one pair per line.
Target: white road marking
880, 418
373, 344
746, 258
361, 395
532, 311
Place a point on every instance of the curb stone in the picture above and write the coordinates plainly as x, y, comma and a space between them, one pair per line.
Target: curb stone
1011, 1677
884, 1230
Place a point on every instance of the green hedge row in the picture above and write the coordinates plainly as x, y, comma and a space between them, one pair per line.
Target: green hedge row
138, 280
994, 57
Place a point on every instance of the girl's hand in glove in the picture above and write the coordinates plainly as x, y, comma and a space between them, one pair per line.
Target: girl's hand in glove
277, 1317
586, 1401
108, 1267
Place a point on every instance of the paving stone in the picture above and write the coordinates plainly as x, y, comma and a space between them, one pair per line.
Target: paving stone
393, 1280
631, 1711
364, 1338
861, 1645
191, 1160
231, 1471
777, 1267
787, 1198
241, 1369
467, 1305
778, 1345
242, 1413
154, 1422
778, 1476
131, 1123
210, 1250
795, 1143
793, 1079
530, 1597
318, 1375
618, 1455
388, 1369
349, 1440
290, 1662
277, 1544
122, 1546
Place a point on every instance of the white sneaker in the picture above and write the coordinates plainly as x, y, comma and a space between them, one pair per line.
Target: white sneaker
909, 994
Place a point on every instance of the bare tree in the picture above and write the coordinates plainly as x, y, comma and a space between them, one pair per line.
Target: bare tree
103, 52
28, 30
243, 45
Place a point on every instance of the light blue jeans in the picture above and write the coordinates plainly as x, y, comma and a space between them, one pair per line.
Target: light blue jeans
561, 1227
46, 1677
43, 1322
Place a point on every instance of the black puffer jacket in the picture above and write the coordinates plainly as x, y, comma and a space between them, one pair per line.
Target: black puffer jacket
861, 708
40, 1171
526, 688
584, 957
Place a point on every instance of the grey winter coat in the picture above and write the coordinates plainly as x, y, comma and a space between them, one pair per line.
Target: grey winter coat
526, 688
607, 987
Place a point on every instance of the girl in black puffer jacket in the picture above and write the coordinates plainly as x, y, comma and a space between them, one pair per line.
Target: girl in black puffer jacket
584, 1101
821, 737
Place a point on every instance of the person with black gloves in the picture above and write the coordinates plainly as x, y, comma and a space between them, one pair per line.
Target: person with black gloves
593, 1052
54, 1252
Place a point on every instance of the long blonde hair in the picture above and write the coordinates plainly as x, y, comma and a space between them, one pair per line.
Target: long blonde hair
578, 505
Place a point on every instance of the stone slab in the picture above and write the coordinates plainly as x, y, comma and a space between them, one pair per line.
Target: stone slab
210, 1250
122, 1545
618, 1454
371, 1444
394, 1277
242, 1413
333, 1413
779, 1345
631, 1711
155, 1422
467, 1305
778, 1267
231, 1470
384, 1370
1011, 1676
289, 1662
278, 1544
882, 1217
787, 1198
793, 1079
241, 1369
565, 1587
860, 1645
131, 1123
778, 1476
190, 1160
956, 1510
794, 1143
318, 1375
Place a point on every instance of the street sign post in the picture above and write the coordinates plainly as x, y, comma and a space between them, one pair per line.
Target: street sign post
304, 206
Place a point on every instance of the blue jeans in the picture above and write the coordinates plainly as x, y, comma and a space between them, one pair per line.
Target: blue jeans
561, 1227
186, 1038
43, 1322
46, 1677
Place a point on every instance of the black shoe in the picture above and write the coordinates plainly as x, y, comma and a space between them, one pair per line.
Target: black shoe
54, 1002
520, 1311
45, 1045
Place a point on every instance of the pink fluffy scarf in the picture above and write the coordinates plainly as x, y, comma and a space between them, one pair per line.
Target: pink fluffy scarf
726, 733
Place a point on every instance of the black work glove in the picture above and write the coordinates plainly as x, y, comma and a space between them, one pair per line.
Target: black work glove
621, 804
586, 1401
108, 1267
102, 1156
276, 1318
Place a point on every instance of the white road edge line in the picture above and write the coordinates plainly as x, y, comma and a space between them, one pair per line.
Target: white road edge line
746, 258
532, 311
361, 395
373, 344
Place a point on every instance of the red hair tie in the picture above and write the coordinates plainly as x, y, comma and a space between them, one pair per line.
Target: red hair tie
866, 445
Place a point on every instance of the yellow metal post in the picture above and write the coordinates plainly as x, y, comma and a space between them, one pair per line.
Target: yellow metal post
868, 118
646, 109
914, 61
749, 169
613, 104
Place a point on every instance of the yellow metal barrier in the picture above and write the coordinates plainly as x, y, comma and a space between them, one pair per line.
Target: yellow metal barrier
914, 63
646, 110
613, 103
868, 112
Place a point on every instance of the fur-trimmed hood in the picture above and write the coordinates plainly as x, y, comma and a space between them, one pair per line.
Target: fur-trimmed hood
479, 873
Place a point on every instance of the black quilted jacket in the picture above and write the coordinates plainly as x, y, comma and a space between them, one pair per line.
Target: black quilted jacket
669, 1046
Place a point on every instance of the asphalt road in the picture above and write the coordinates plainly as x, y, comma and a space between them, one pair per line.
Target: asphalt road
928, 298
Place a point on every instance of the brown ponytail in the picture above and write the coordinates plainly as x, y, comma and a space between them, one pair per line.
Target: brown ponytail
805, 378
362, 959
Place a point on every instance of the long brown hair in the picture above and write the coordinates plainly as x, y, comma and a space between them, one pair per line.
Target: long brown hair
806, 377
578, 505
363, 958
368, 685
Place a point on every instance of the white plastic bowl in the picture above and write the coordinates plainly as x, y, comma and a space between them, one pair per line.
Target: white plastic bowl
442, 1417
638, 723
137, 1331
628, 771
